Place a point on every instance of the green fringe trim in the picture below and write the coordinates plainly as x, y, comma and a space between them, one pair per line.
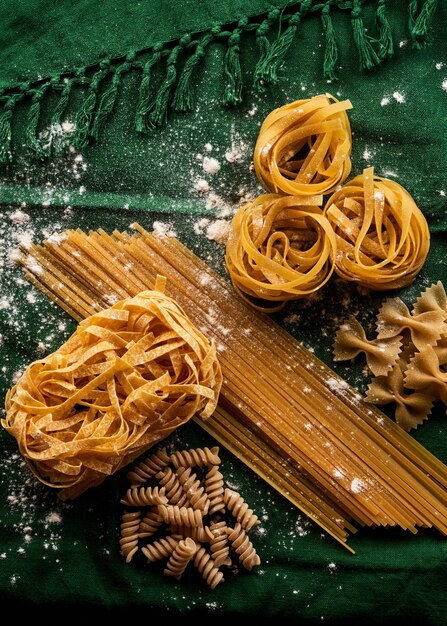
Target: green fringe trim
385, 41
275, 33
331, 51
420, 24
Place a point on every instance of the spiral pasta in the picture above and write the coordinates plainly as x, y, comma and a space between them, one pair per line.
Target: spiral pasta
130, 527
180, 557
220, 549
206, 566
127, 377
149, 525
173, 488
180, 516
280, 248
195, 456
240, 509
214, 486
160, 549
148, 467
382, 236
243, 547
193, 489
186, 514
304, 147
144, 496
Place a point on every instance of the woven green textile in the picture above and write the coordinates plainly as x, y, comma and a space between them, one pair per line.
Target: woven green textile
80, 152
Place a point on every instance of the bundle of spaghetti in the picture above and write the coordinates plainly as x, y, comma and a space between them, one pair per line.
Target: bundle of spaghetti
126, 378
280, 248
304, 147
382, 236
351, 457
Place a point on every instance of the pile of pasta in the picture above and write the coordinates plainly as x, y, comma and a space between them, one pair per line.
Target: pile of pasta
408, 356
287, 243
178, 511
127, 377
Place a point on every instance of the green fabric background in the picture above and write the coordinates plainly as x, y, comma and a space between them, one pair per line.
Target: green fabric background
394, 576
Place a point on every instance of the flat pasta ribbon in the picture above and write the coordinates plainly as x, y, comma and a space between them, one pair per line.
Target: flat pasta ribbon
304, 147
126, 378
382, 236
279, 249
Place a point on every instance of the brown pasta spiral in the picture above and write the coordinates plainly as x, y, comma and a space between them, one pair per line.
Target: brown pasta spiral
146, 468
280, 248
130, 526
180, 516
144, 496
304, 147
180, 557
243, 547
207, 567
195, 456
160, 549
240, 509
382, 236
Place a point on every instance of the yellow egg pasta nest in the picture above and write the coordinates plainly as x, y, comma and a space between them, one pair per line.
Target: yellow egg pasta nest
382, 236
127, 377
304, 147
280, 248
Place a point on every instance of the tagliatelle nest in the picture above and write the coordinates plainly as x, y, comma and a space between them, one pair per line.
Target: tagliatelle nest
126, 378
382, 236
280, 248
304, 147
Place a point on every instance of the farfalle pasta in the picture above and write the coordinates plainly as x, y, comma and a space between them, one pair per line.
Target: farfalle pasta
127, 377
382, 236
413, 376
279, 248
304, 147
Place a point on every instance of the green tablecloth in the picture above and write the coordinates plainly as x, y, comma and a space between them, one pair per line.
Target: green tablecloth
62, 64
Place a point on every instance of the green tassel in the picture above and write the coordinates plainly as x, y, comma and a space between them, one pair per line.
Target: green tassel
5, 135
159, 112
266, 72
144, 104
106, 105
40, 147
385, 41
420, 29
85, 113
183, 98
368, 56
233, 88
331, 52
62, 104
264, 46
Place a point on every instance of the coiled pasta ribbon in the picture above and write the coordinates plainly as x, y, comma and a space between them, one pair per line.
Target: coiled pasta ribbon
127, 377
382, 236
280, 248
304, 147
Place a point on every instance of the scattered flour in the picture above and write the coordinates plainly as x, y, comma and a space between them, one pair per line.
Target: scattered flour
202, 186
399, 97
357, 485
218, 230
210, 165
162, 229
